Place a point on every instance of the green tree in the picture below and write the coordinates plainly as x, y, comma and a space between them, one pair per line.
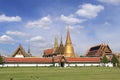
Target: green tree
114, 60
104, 59
1, 59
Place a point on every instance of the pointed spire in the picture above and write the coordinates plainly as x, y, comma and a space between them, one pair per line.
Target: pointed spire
68, 39
61, 47
29, 47
19, 45
56, 42
69, 51
61, 40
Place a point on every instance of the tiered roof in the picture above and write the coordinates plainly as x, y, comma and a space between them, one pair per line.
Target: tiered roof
99, 51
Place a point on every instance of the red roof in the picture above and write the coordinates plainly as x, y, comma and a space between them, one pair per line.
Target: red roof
37, 60
48, 51
49, 60
83, 59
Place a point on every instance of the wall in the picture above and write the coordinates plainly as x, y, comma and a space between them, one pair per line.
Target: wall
26, 65
57, 65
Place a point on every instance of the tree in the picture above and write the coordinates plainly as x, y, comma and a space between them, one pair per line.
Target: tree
1, 60
104, 59
114, 60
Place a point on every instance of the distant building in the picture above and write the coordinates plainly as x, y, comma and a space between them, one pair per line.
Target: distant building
99, 51
20, 53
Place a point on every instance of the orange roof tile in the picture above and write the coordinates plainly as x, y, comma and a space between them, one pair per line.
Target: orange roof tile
48, 51
84, 59
49, 60
39, 60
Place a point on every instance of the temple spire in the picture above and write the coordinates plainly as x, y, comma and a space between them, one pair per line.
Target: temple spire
29, 48
55, 49
61, 40
61, 47
68, 39
56, 42
69, 51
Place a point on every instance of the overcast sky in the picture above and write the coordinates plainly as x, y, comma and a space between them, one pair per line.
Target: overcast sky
91, 22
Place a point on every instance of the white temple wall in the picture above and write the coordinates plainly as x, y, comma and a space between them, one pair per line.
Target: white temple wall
26, 65
72, 64
82, 64
57, 65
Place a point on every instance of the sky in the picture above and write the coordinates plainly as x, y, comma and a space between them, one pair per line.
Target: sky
37, 22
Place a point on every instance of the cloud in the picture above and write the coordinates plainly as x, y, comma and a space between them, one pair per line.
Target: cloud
106, 24
89, 10
113, 2
37, 39
75, 28
4, 18
15, 33
71, 19
4, 39
40, 23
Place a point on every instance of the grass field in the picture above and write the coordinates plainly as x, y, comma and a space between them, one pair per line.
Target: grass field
52, 73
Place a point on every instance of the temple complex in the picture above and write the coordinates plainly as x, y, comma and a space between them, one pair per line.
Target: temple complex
59, 56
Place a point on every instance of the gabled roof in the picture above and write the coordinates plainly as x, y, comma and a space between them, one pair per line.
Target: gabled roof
99, 50
19, 50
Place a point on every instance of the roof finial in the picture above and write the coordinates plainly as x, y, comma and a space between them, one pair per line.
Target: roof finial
56, 42
29, 47
61, 39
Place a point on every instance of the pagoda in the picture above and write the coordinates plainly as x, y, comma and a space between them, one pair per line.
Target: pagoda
68, 50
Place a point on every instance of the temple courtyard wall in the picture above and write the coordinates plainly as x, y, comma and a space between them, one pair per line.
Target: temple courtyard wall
56, 65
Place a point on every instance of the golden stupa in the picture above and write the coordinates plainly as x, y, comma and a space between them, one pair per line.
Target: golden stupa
68, 50
55, 49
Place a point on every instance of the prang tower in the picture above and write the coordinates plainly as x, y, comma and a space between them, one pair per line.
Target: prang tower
68, 50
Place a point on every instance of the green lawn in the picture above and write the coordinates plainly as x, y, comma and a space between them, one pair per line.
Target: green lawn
52, 73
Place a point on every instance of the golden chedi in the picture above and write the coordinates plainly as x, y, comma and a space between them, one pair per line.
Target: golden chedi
68, 50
